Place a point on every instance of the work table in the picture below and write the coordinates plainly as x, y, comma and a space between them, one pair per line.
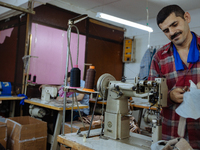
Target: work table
134, 142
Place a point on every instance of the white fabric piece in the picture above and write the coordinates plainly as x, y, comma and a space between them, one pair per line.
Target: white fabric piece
159, 145
189, 108
192, 85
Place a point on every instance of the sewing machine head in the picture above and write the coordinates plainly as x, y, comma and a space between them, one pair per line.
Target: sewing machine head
48, 91
155, 91
158, 91
116, 123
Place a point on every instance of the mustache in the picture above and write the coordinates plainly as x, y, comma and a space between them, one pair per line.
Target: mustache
175, 34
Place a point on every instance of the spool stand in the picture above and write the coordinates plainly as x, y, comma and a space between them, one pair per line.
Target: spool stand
71, 23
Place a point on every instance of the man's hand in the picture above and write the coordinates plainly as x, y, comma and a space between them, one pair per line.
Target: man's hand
59, 98
198, 85
176, 95
41, 87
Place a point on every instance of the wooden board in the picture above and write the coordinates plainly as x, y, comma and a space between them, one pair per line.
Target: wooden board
72, 144
10, 98
132, 105
54, 107
141, 106
98, 102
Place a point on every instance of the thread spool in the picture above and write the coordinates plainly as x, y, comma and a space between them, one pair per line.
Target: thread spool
90, 78
29, 77
75, 76
34, 78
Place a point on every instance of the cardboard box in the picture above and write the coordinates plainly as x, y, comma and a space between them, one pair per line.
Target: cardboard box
78, 124
3, 134
26, 133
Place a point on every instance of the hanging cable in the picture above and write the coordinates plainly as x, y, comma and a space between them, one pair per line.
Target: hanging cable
147, 13
77, 44
147, 9
68, 42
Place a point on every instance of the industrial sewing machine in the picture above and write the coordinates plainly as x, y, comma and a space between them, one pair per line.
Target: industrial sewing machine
116, 124
48, 91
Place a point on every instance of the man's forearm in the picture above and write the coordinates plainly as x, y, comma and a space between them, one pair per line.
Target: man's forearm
79, 97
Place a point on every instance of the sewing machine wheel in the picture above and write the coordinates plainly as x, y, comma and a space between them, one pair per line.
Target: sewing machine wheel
102, 84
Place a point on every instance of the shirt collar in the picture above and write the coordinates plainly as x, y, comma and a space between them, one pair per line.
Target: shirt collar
198, 40
193, 55
168, 47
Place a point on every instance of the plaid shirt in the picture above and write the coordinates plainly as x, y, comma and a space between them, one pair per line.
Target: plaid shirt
163, 65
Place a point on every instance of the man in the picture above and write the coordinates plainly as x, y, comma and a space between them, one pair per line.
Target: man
178, 62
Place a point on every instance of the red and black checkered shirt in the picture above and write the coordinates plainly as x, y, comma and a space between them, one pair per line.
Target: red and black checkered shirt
163, 65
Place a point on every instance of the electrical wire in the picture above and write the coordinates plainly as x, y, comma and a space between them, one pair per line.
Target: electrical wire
68, 42
77, 44
102, 113
147, 9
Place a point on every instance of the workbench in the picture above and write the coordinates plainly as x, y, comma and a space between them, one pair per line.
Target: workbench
52, 138
134, 142
12, 106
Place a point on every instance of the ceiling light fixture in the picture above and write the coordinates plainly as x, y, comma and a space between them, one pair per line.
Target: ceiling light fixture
123, 21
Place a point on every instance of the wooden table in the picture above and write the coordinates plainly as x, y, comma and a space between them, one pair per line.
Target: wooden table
52, 138
12, 106
10, 98
134, 142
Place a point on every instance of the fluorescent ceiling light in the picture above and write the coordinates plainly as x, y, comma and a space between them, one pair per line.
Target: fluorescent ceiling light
123, 21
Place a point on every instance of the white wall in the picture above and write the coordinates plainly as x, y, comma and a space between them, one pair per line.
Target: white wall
157, 38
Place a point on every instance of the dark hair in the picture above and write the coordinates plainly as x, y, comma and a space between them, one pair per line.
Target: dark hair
166, 11
68, 74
